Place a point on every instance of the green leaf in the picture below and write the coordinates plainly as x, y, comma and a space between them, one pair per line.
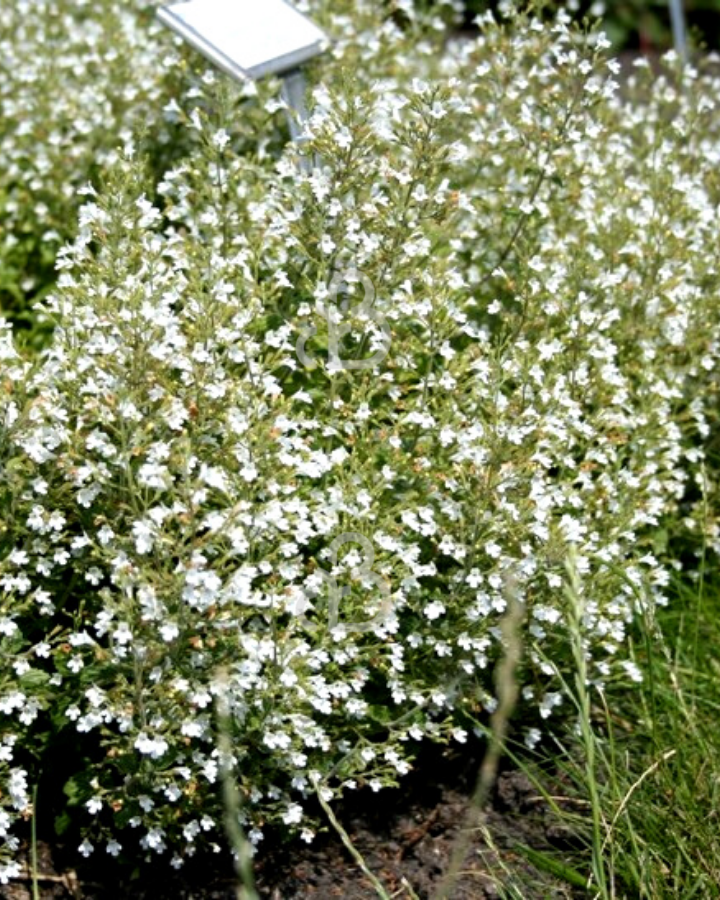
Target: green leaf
34, 678
660, 541
546, 863
77, 788
62, 823
380, 713
123, 816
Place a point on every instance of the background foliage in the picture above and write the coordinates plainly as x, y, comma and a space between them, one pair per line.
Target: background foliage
637, 24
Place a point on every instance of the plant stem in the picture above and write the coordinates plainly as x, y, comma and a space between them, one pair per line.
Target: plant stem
350, 847
508, 691
242, 848
33, 845
574, 592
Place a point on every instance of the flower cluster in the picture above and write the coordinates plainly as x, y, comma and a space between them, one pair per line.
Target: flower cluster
182, 484
79, 78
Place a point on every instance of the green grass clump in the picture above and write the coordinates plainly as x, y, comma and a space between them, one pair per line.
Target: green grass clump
645, 762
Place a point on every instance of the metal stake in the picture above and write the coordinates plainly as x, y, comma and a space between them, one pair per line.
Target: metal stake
677, 17
294, 87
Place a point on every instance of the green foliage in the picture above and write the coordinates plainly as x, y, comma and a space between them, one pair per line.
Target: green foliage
657, 752
75, 79
633, 24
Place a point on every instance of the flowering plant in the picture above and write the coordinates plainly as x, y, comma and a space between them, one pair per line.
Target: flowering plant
303, 433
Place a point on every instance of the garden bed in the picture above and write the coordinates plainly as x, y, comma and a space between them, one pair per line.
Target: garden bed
405, 835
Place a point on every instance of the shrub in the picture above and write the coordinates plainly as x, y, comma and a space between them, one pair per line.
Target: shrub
76, 78
300, 437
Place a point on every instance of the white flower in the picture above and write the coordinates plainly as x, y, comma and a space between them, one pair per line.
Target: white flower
123, 634
144, 533
434, 610
221, 139
7, 626
327, 245
94, 805
154, 475
169, 631
633, 671
549, 702
572, 529
192, 729
153, 747
293, 814
214, 477
154, 840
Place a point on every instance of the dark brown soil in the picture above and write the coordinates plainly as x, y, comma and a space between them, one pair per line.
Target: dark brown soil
406, 837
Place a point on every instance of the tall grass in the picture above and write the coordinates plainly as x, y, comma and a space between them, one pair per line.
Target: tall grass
646, 758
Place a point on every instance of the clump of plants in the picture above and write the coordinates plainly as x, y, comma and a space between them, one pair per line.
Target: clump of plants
304, 432
76, 78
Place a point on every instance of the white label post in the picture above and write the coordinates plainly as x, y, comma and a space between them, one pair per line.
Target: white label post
251, 39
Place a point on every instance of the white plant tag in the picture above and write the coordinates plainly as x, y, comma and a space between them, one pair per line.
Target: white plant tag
247, 38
